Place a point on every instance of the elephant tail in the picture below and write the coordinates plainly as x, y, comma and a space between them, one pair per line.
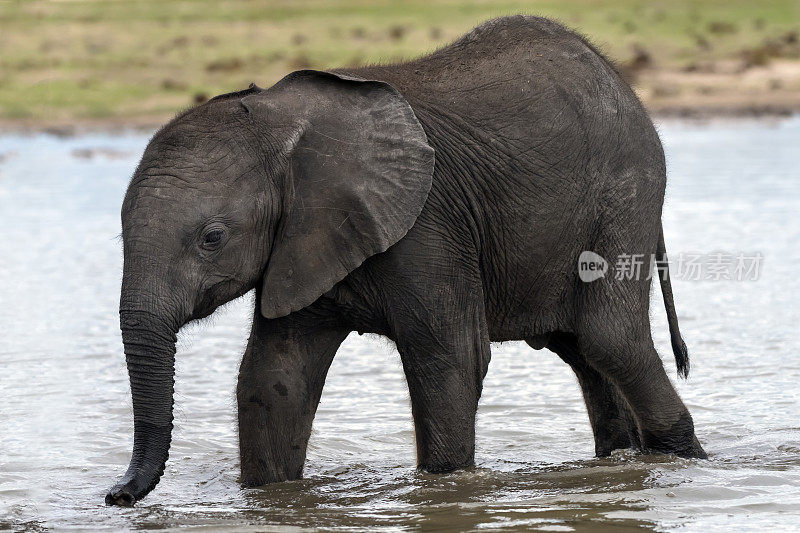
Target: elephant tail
678, 346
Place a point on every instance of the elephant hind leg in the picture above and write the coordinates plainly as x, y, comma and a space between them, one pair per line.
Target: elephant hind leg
626, 357
612, 322
612, 422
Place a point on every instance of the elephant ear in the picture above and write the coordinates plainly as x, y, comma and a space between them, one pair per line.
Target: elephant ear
358, 175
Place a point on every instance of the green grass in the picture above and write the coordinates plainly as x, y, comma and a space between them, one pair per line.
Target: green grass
87, 59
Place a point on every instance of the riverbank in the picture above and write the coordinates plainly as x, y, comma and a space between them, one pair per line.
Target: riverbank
718, 102
722, 89
78, 65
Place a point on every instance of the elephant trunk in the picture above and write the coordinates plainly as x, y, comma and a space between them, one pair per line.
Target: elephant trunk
150, 355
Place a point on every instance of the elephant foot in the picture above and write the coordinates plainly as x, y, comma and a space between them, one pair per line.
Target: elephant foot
619, 438
680, 441
445, 466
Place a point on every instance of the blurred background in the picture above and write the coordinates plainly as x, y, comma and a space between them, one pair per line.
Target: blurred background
138, 62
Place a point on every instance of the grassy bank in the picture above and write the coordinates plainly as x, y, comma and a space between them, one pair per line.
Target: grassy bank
143, 60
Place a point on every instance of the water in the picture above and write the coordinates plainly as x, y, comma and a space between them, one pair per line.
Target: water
65, 414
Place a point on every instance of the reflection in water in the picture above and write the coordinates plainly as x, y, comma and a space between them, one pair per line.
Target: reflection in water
65, 416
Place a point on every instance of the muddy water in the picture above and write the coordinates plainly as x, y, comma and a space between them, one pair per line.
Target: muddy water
65, 414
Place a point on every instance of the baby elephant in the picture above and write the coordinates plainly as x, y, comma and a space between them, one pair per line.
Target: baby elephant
443, 203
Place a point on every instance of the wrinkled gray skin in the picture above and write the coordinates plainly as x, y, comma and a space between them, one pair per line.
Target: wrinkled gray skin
443, 204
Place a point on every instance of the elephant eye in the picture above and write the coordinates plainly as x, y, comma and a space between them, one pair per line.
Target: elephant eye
212, 237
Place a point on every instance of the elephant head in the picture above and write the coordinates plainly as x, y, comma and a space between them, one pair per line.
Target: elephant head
288, 188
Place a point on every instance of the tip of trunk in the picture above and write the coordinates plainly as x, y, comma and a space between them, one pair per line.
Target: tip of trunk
131, 489
120, 497
150, 454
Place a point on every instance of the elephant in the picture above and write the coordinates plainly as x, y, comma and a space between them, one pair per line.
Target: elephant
442, 203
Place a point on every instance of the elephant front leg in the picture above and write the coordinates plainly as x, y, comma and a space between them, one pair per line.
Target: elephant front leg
445, 372
279, 388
